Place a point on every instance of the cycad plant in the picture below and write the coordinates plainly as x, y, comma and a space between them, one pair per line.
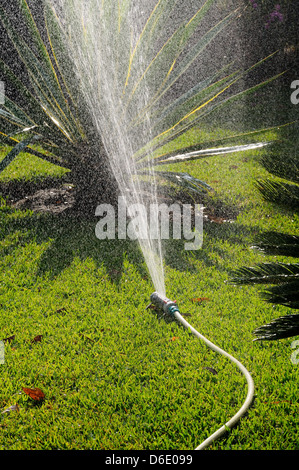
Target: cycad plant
55, 111
282, 278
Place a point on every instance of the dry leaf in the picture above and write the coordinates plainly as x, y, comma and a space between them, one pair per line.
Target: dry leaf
37, 339
174, 338
11, 408
60, 310
200, 299
216, 220
210, 369
87, 338
34, 393
10, 339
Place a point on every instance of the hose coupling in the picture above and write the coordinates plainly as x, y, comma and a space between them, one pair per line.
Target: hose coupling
163, 303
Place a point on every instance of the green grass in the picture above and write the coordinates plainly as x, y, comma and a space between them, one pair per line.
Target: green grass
27, 167
117, 377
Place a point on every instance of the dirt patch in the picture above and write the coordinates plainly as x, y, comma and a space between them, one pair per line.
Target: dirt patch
62, 200
52, 200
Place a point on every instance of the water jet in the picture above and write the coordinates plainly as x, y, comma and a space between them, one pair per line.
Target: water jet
125, 84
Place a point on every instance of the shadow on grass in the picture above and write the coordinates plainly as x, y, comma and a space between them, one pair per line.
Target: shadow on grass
70, 237
16, 189
178, 258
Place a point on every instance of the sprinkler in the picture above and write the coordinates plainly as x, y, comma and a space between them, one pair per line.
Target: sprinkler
170, 307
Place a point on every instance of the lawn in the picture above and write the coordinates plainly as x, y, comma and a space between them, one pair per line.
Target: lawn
117, 376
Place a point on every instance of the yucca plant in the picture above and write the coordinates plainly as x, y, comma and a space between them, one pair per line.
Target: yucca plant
58, 110
282, 278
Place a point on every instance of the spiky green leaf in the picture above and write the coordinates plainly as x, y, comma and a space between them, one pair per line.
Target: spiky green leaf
185, 182
282, 193
20, 147
282, 327
266, 273
286, 294
279, 244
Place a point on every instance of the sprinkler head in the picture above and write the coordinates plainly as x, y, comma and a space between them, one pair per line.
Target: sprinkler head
163, 303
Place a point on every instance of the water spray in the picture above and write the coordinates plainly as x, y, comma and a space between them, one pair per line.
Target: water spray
171, 308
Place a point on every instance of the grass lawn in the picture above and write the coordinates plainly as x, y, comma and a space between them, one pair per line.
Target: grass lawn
114, 375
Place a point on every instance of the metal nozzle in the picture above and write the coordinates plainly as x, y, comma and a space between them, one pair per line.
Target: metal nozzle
163, 303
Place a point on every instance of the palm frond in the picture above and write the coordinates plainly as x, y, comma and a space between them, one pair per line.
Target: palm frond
162, 69
152, 28
185, 103
11, 141
20, 147
41, 71
148, 63
201, 112
185, 182
266, 273
282, 327
15, 115
65, 67
282, 161
281, 193
33, 111
286, 294
208, 152
278, 244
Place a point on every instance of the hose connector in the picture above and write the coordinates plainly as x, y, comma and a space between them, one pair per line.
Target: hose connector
163, 303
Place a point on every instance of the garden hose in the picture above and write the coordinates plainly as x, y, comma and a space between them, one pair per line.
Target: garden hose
170, 307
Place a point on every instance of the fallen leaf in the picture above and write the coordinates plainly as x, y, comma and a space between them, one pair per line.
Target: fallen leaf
87, 338
37, 339
10, 339
174, 338
60, 310
210, 369
216, 220
200, 299
34, 393
11, 408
